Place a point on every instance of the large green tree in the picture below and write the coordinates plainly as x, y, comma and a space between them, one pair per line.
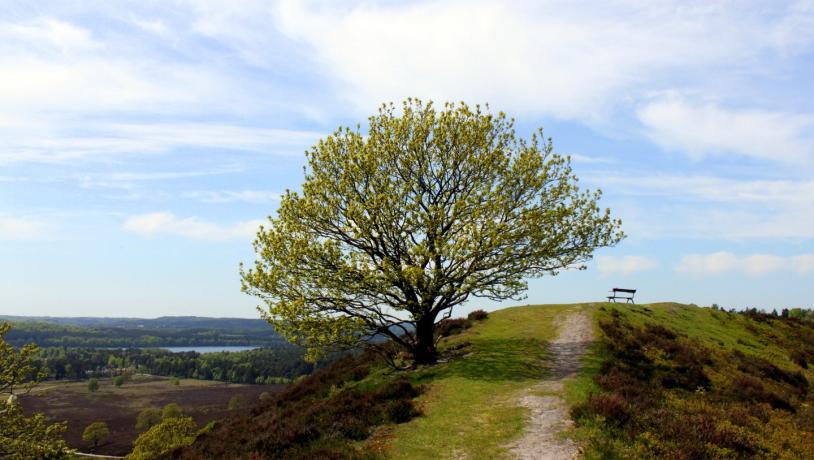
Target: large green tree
24, 437
96, 432
171, 433
430, 208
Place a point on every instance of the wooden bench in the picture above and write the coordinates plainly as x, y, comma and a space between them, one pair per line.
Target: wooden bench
616, 295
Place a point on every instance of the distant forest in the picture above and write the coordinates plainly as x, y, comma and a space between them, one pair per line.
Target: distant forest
128, 332
263, 365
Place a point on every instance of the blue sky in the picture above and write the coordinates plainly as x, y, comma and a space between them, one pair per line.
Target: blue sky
142, 143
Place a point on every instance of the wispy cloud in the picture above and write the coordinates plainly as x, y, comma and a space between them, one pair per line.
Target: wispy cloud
230, 196
709, 129
624, 265
129, 180
166, 223
665, 206
21, 228
112, 140
755, 264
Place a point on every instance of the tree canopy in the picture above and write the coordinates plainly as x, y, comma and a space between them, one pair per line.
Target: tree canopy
394, 228
95, 432
24, 437
171, 433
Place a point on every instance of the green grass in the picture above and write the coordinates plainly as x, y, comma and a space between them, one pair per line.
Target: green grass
712, 328
470, 408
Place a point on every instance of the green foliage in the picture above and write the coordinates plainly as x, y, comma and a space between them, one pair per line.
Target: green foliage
171, 410
170, 434
93, 385
175, 381
148, 418
118, 380
21, 437
663, 394
30, 438
428, 209
264, 396
96, 432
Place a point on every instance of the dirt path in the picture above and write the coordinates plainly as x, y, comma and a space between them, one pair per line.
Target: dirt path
549, 414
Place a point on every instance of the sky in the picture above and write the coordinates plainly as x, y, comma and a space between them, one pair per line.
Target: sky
142, 143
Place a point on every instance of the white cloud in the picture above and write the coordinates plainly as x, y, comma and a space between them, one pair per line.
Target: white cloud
230, 196
551, 57
626, 265
21, 228
755, 264
62, 82
166, 223
708, 129
804, 263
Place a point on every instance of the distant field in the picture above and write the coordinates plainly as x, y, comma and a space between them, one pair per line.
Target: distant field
118, 407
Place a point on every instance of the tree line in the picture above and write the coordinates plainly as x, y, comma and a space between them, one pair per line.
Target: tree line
263, 365
57, 335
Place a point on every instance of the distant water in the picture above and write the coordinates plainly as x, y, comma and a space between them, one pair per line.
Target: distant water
208, 349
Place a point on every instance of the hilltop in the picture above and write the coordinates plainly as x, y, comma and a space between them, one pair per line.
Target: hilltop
658, 381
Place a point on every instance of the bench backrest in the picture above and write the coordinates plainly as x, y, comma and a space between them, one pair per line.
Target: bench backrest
629, 291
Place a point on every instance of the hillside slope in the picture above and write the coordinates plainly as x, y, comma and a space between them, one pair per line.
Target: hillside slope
659, 381
682, 382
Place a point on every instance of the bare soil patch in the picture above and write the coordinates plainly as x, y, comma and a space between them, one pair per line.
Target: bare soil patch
118, 407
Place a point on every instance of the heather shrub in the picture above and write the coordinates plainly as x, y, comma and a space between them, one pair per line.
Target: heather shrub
477, 315
448, 327
400, 411
320, 416
666, 396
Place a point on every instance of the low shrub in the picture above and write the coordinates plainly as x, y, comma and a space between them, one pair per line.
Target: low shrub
448, 327
477, 315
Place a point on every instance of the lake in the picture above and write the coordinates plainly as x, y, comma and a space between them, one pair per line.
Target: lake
208, 349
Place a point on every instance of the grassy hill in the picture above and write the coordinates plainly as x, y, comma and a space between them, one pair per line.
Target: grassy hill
661, 381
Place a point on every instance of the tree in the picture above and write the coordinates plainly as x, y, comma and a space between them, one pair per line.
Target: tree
168, 435
24, 437
236, 402
148, 418
171, 410
118, 381
93, 385
96, 432
394, 229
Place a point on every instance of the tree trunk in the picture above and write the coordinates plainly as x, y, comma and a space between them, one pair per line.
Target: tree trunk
424, 351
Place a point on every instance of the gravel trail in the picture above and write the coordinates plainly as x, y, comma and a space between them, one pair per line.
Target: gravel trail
549, 413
